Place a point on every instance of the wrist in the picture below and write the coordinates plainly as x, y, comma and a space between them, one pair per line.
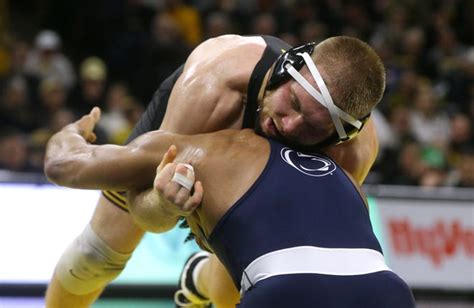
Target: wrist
163, 206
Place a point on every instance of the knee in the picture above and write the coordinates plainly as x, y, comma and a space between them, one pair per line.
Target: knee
89, 264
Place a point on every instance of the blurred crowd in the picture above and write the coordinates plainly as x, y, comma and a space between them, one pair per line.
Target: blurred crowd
60, 58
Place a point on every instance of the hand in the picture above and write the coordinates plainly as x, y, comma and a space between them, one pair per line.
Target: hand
176, 198
85, 125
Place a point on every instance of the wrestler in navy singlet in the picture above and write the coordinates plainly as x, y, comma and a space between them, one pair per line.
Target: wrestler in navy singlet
153, 116
303, 200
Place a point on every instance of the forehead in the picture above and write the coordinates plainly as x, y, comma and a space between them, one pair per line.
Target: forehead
311, 109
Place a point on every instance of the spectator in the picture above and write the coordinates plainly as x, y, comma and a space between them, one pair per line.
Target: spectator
426, 47
46, 61
465, 169
19, 55
412, 55
429, 124
53, 98
217, 24
113, 120
163, 53
462, 136
14, 151
400, 124
409, 166
92, 88
38, 139
446, 55
313, 31
15, 108
404, 91
264, 24
187, 18
131, 112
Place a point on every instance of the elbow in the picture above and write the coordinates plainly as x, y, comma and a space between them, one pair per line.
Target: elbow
53, 171
58, 172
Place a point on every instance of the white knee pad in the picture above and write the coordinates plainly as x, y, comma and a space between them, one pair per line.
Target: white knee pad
89, 264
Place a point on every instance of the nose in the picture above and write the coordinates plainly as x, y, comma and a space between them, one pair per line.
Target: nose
291, 124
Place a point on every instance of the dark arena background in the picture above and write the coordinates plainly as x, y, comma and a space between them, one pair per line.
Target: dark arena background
115, 53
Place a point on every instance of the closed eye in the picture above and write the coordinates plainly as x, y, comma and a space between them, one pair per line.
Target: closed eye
295, 103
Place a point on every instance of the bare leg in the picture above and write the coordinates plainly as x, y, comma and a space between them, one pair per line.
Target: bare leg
117, 229
215, 283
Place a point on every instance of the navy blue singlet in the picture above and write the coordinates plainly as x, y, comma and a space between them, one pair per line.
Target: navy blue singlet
303, 200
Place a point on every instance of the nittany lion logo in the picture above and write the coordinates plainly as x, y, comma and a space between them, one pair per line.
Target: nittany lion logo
311, 165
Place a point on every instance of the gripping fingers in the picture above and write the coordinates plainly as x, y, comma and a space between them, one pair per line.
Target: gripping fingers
172, 191
174, 183
168, 158
195, 199
163, 182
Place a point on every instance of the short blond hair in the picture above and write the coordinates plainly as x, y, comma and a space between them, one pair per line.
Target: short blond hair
353, 73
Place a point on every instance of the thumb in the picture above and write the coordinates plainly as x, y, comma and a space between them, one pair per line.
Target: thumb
169, 157
95, 114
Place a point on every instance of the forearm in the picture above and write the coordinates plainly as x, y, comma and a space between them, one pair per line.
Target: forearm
66, 152
71, 161
152, 213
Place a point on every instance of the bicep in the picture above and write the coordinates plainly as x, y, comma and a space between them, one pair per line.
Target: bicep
190, 106
195, 98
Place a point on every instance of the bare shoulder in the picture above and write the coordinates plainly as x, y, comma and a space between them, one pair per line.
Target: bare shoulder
222, 45
230, 58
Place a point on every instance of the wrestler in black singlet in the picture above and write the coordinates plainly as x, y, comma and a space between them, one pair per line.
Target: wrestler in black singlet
153, 116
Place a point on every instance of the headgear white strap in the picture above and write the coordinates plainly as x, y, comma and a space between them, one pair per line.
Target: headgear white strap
324, 97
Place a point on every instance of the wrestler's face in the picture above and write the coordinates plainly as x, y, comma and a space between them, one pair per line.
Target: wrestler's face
291, 114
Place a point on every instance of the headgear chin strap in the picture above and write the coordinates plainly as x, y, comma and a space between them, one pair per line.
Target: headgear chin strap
293, 60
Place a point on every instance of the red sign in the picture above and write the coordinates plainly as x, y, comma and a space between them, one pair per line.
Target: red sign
439, 241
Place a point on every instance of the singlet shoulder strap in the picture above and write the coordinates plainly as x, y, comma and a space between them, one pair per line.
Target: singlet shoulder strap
274, 48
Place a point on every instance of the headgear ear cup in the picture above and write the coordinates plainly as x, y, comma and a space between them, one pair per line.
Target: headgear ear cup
279, 73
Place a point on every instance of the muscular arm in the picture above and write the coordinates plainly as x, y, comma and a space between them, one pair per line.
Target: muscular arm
73, 162
205, 98
208, 96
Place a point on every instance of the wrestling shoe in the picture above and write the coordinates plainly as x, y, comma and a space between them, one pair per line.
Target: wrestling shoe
187, 295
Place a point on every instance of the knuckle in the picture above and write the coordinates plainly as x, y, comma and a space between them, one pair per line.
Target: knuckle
170, 196
181, 202
159, 185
